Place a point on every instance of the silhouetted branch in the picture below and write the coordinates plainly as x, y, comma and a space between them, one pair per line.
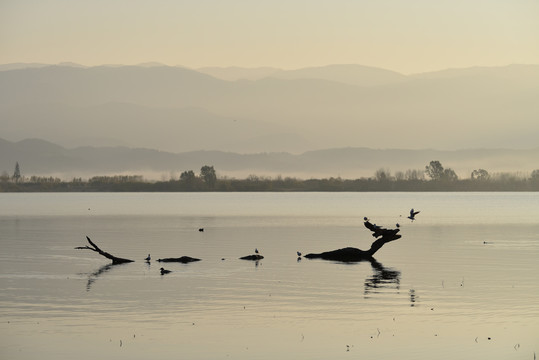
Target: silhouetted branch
94, 247
351, 254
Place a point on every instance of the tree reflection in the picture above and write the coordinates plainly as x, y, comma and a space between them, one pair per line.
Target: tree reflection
92, 277
382, 278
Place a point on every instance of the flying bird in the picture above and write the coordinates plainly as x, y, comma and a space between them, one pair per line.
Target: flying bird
413, 214
164, 271
148, 258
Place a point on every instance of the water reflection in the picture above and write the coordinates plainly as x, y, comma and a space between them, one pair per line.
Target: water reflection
382, 278
92, 277
413, 297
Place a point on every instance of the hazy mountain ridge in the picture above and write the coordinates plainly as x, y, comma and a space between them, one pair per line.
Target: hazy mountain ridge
234, 73
313, 108
39, 157
351, 74
170, 129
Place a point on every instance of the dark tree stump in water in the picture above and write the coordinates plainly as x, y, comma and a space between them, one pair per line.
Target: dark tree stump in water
351, 254
94, 247
348, 254
183, 259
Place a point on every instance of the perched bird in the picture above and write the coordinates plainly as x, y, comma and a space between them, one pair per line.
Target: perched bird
413, 214
365, 218
299, 254
164, 271
148, 258
256, 251
398, 225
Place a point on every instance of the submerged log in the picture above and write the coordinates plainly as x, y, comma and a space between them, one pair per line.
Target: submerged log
183, 259
252, 257
115, 260
351, 254
348, 254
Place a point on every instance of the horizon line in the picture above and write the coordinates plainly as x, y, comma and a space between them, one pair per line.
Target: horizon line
161, 64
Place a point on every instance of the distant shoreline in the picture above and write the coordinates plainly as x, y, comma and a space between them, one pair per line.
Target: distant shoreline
255, 184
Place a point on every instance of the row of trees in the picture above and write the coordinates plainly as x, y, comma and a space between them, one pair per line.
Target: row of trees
436, 172
207, 178
439, 179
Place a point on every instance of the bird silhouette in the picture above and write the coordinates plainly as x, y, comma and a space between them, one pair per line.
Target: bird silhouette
164, 271
299, 253
256, 251
148, 258
413, 214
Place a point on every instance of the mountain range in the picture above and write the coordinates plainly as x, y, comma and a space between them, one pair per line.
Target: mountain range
268, 110
42, 158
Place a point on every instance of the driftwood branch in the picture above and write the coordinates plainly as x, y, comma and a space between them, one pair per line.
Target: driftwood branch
94, 247
351, 254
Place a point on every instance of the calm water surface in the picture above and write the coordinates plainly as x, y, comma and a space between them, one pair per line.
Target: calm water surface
461, 283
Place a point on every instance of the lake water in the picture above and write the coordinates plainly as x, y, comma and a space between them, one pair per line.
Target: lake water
461, 283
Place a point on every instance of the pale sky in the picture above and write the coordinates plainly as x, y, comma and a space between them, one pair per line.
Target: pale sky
408, 36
